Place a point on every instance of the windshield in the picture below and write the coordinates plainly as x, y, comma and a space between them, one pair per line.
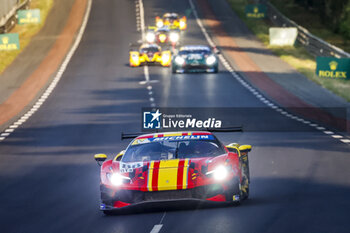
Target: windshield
163, 31
163, 150
186, 52
149, 49
170, 18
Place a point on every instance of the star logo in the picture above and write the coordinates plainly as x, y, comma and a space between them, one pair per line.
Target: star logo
156, 115
152, 119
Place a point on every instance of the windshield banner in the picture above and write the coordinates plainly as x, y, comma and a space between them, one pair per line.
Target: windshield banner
172, 138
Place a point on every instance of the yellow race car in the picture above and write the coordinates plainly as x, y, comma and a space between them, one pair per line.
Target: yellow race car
149, 54
172, 20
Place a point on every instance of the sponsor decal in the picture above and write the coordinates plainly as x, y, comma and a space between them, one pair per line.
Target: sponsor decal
9, 41
283, 36
129, 167
255, 11
157, 120
195, 56
235, 197
335, 68
158, 138
28, 16
181, 138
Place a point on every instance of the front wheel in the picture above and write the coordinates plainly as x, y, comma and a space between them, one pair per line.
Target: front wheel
244, 188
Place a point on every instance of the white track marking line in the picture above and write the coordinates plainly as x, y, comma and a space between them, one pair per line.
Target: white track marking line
146, 71
250, 88
140, 20
57, 78
156, 228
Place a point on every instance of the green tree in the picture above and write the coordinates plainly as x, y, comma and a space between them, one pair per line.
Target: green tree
345, 23
333, 13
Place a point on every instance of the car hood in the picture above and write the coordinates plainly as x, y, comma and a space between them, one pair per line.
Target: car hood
194, 58
175, 174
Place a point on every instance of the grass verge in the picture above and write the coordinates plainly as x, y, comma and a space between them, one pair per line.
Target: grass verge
26, 32
297, 56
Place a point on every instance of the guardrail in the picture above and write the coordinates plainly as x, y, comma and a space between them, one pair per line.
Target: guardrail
313, 44
8, 12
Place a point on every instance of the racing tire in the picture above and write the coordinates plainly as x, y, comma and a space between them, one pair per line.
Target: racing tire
173, 70
244, 188
216, 69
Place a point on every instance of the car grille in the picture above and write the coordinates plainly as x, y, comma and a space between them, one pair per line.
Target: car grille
167, 195
196, 67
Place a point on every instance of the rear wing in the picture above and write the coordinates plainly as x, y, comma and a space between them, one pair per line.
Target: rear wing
226, 130
219, 130
130, 135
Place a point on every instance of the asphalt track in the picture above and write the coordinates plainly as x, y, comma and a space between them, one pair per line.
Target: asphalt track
49, 181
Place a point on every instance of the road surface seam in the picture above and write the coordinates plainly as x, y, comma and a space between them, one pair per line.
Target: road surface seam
256, 92
54, 82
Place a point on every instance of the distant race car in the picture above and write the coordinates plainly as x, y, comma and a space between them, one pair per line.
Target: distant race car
172, 19
163, 35
195, 58
149, 54
174, 166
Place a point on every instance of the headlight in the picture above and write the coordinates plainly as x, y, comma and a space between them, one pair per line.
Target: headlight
179, 60
160, 24
219, 173
162, 37
150, 37
135, 57
182, 24
165, 57
116, 179
210, 60
174, 37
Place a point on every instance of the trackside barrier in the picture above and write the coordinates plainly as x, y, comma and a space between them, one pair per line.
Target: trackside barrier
8, 13
313, 44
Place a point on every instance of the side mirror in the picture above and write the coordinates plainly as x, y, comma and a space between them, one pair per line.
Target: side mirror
100, 158
215, 50
245, 148
231, 145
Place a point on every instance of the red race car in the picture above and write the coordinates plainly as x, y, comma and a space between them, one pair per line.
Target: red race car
174, 166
